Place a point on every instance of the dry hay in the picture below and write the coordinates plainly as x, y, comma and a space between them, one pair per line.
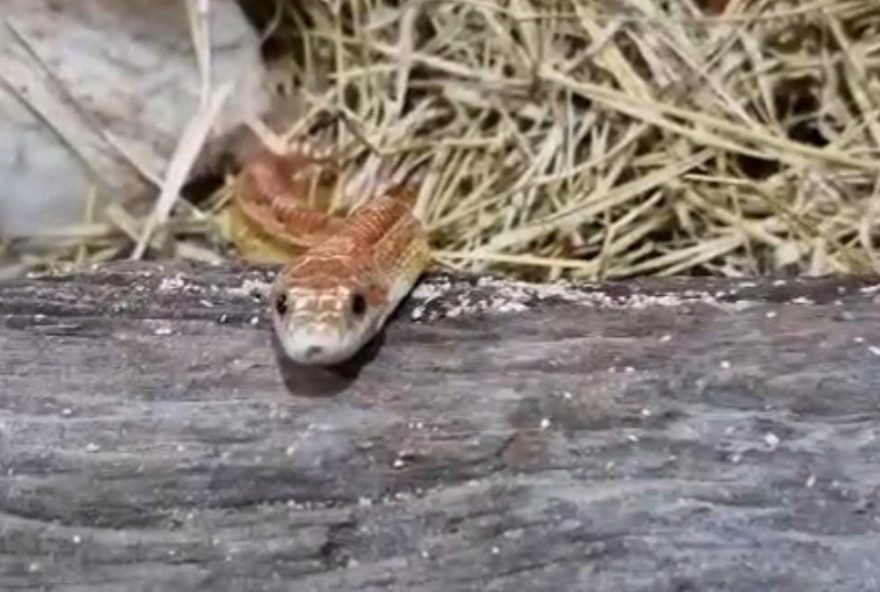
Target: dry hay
599, 139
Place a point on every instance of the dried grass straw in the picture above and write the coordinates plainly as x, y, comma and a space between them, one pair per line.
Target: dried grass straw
613, 139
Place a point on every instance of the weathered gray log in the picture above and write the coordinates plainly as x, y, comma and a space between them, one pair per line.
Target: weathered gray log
665, 435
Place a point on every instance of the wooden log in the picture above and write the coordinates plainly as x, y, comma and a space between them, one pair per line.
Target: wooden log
688, 434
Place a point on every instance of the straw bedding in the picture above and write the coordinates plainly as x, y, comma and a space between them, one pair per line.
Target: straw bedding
591, 139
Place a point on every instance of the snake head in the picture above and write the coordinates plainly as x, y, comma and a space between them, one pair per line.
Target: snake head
325, 324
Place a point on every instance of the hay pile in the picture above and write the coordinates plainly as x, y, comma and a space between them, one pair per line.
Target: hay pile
603, 139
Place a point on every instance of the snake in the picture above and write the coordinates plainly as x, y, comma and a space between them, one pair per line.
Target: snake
345, 274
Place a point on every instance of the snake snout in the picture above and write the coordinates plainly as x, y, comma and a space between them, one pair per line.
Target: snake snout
315, 343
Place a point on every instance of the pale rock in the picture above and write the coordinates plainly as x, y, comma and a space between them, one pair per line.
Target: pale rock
105, 68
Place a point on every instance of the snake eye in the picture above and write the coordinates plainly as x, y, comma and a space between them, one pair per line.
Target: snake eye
358, 304
281, 304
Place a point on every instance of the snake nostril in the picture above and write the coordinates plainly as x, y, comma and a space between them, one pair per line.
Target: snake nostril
313, 350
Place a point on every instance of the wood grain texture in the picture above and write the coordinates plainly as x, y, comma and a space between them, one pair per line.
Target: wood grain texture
676, 435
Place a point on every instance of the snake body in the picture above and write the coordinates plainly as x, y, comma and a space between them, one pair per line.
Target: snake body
348, 273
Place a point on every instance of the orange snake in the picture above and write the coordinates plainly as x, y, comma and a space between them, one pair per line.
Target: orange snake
351, 272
